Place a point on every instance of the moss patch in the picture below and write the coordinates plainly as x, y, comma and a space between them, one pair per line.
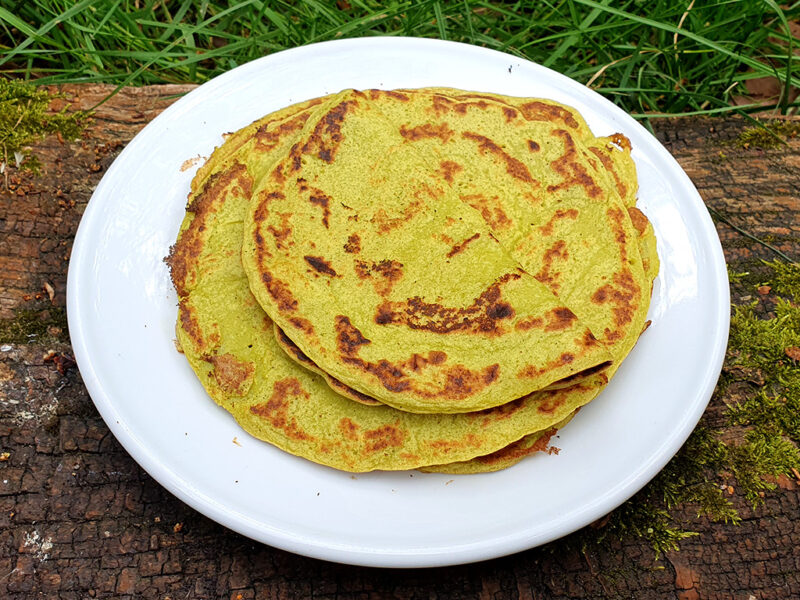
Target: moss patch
769, 135
39, 326
760, 384
25, 119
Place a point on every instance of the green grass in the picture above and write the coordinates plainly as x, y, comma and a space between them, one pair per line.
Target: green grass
656, 57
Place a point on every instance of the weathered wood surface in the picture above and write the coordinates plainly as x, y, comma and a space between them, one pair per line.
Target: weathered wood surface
79, 518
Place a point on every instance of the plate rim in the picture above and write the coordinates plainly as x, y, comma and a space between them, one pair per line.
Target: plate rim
464, 553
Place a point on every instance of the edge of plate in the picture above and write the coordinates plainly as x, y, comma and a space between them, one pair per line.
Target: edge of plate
484, 550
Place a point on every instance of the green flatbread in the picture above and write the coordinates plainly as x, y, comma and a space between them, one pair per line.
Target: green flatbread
386, 281
229, 342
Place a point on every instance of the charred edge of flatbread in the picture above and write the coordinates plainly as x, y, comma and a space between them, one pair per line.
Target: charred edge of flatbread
296, 354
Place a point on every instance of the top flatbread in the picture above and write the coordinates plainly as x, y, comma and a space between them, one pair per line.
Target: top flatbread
387, 258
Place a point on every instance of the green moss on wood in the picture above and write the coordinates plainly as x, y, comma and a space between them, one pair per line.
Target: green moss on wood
768, 135
710, 468
35, 326
25, 119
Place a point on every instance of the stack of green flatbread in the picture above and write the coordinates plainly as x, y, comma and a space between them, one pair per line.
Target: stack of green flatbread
413, 279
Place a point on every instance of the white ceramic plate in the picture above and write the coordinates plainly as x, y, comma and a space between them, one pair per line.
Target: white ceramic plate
122, 311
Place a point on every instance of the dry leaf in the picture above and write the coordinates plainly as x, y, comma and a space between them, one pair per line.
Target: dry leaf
51, 293
793, 352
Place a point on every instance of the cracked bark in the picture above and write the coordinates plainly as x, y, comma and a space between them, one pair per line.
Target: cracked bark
78, 518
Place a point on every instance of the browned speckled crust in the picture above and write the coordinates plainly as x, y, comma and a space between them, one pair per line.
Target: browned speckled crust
233, 376
276, 409
291, 349
514, 166
638, 219
608, 164
190, 244
490, 210
483, 316
571, 169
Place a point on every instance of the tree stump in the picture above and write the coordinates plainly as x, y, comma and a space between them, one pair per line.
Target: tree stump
79, 518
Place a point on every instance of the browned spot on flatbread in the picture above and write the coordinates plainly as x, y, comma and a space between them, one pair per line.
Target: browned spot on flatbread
353, 245
549, 275
617, 218
436, 357
519, 450
323, 142
295, 155
514, 167
417, 362
462, 107
470, 440
540, 111
323, 201
559, 319
285, 342
190, 325
491, 210
184, 255
570, 168
320, 265
482, 316
582, 375
459, 381
532, 371
588, 340
380, 438
623, 294
348, 336
427, 131
547, 228
529, 323
384, 274
267, 137
352, 393
390, 376
385, 222
303, 325
448, 169
276, 409
609, 166
280, 292
638, 219
443, 104
349, 429
231, 374
533, 146
376, 94
621, 141
552, 402
281, 234
390, 271
261, 213
460, 246
362, 268
490, 416
509, 113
